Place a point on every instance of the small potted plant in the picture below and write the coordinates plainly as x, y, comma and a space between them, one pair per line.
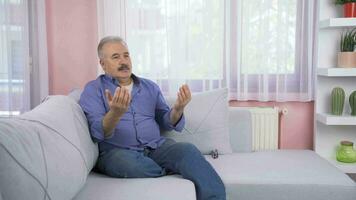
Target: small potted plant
349, 7
347, 56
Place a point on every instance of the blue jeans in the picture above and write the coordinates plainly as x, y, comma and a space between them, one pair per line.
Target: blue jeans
171, 157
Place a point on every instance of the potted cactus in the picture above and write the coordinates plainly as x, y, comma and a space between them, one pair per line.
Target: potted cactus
337, 101
352, 100
347, 56
349, 7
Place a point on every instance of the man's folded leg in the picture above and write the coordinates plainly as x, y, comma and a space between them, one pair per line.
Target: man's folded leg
187, 160
124, 163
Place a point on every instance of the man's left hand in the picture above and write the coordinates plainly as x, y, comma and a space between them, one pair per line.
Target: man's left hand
183, 98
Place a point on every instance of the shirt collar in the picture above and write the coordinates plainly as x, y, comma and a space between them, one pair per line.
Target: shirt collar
135, 79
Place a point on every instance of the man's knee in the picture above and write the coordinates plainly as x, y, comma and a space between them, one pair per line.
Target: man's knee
187, 150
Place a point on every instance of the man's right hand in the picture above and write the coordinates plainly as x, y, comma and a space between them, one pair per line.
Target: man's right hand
119, 103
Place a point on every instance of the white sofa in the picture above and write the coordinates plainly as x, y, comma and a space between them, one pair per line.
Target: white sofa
47, 154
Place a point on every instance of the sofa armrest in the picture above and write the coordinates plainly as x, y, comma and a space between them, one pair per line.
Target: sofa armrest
240, 128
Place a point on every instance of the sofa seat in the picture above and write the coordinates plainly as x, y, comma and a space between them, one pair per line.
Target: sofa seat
282, 174
277, 175
172, 187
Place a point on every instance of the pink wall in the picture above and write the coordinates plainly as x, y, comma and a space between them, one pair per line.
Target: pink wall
72, 39
297, 126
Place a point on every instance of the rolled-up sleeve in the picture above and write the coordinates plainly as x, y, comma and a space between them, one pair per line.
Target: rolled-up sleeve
163, 116
91, 101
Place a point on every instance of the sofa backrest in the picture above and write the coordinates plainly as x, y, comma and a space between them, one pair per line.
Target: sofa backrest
206, 122
239, 122
46, 152
240, 128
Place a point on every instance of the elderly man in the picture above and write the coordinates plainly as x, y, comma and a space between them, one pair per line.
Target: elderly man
125, 114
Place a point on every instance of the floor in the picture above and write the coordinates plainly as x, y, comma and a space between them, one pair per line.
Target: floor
353, 176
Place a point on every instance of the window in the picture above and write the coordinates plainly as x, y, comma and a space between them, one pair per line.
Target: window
275, 50
268, 36
181, 39
260, 49
13, 57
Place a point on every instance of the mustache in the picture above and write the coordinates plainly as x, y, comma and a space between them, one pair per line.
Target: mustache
123, 67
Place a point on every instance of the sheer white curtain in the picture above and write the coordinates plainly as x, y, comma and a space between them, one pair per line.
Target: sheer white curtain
38, 51
14, 57
23, 55
275, 50
171, 41
260, 49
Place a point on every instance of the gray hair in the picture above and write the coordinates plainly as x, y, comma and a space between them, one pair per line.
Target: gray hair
109, 39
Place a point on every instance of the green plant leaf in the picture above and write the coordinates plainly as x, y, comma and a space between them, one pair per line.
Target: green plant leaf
348, 40
341, 2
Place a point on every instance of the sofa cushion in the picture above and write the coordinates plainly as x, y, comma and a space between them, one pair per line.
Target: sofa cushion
240, 128
46, 152
207, 120
282, 174
168, 187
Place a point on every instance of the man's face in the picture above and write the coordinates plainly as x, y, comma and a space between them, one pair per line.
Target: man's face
116, 61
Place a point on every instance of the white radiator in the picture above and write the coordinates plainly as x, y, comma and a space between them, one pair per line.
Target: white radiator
265, 128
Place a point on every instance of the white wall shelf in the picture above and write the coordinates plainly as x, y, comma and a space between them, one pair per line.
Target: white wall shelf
337, 72
329, 129
329, 119
337, 22
345, 167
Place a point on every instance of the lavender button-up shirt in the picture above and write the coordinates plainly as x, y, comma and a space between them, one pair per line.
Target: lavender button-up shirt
140, 126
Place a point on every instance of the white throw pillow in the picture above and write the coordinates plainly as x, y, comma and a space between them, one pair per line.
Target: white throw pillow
206, 124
